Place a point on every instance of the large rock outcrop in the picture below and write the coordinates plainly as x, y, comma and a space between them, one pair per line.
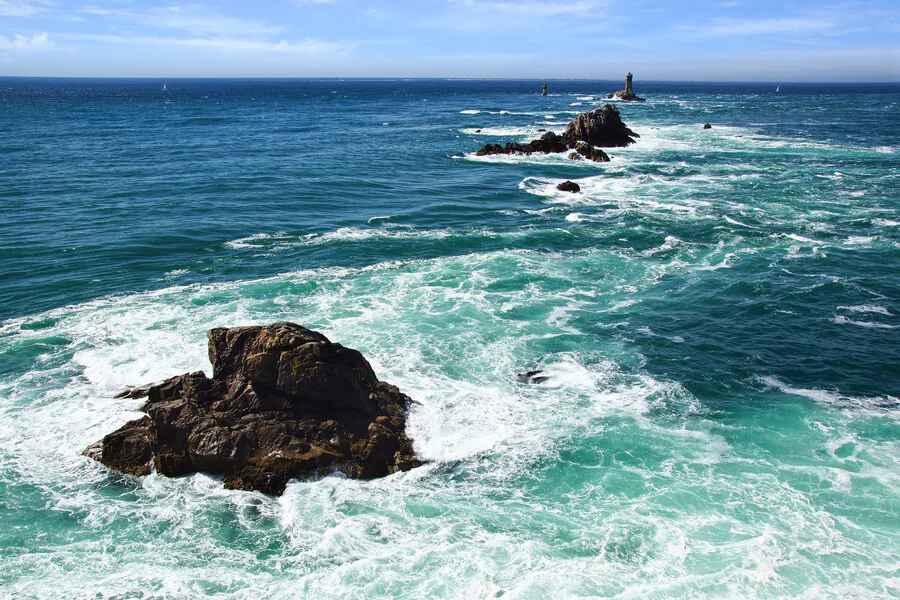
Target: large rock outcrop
283, 402
601, 127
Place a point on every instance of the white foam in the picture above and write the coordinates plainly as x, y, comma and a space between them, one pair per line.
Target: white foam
736, 222
800, 238
511, 132
842, 320
535, 158
602, 481
252, 241
830, 398
867, 308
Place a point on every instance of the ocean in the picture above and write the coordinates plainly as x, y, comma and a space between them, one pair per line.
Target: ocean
717, 313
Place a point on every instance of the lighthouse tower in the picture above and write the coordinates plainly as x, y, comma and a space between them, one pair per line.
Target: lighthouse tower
628, 93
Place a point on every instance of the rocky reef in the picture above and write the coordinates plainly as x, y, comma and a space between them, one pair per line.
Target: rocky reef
601, 127
627, 95
283, 402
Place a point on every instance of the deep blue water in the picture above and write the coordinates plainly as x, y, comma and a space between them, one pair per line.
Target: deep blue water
718, 311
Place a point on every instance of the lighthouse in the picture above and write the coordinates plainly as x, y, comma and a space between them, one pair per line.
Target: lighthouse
628, 93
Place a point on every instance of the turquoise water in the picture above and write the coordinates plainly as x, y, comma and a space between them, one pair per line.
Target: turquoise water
718, 312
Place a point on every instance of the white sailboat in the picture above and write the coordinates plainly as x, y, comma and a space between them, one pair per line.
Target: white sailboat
777, 88
164, 86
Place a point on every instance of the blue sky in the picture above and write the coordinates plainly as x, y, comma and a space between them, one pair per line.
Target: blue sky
729, 40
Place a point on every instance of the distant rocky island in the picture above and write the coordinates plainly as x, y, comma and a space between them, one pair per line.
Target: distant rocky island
628, 93
283, 402
585, 134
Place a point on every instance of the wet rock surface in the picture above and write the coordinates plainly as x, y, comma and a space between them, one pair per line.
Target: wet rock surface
627, 95
583, 150
601, 127
283, 402
568, 186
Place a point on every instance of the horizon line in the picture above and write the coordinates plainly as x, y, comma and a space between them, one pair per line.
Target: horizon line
437, 78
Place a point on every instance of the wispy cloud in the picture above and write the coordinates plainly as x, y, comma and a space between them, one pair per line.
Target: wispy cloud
39, 42
196, 19
728, 27
23, 8
531, 8
498, 17
305, 47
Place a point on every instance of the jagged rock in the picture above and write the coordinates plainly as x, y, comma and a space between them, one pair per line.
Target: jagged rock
569, 186
599, 127
283, 402
546, 144
589, 152
137, 391
707, 126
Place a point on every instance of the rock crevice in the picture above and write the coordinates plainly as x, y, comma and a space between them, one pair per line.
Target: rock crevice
283, 402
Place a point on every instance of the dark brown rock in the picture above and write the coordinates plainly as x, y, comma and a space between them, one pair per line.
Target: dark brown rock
283, 402
546, 144
569, 186
137, 391
627, 95
599, 127
589, 152
707, 126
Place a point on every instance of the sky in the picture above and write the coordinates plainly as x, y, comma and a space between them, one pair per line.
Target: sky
730, 40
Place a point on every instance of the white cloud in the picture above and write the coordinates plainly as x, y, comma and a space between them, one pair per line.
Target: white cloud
498, 16
727, 27
532, 8
23, 8
38, 42
306, 47
196, 19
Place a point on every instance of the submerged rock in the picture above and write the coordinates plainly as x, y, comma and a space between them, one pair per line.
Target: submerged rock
707, 126
569, 186
532, 376
283, 402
